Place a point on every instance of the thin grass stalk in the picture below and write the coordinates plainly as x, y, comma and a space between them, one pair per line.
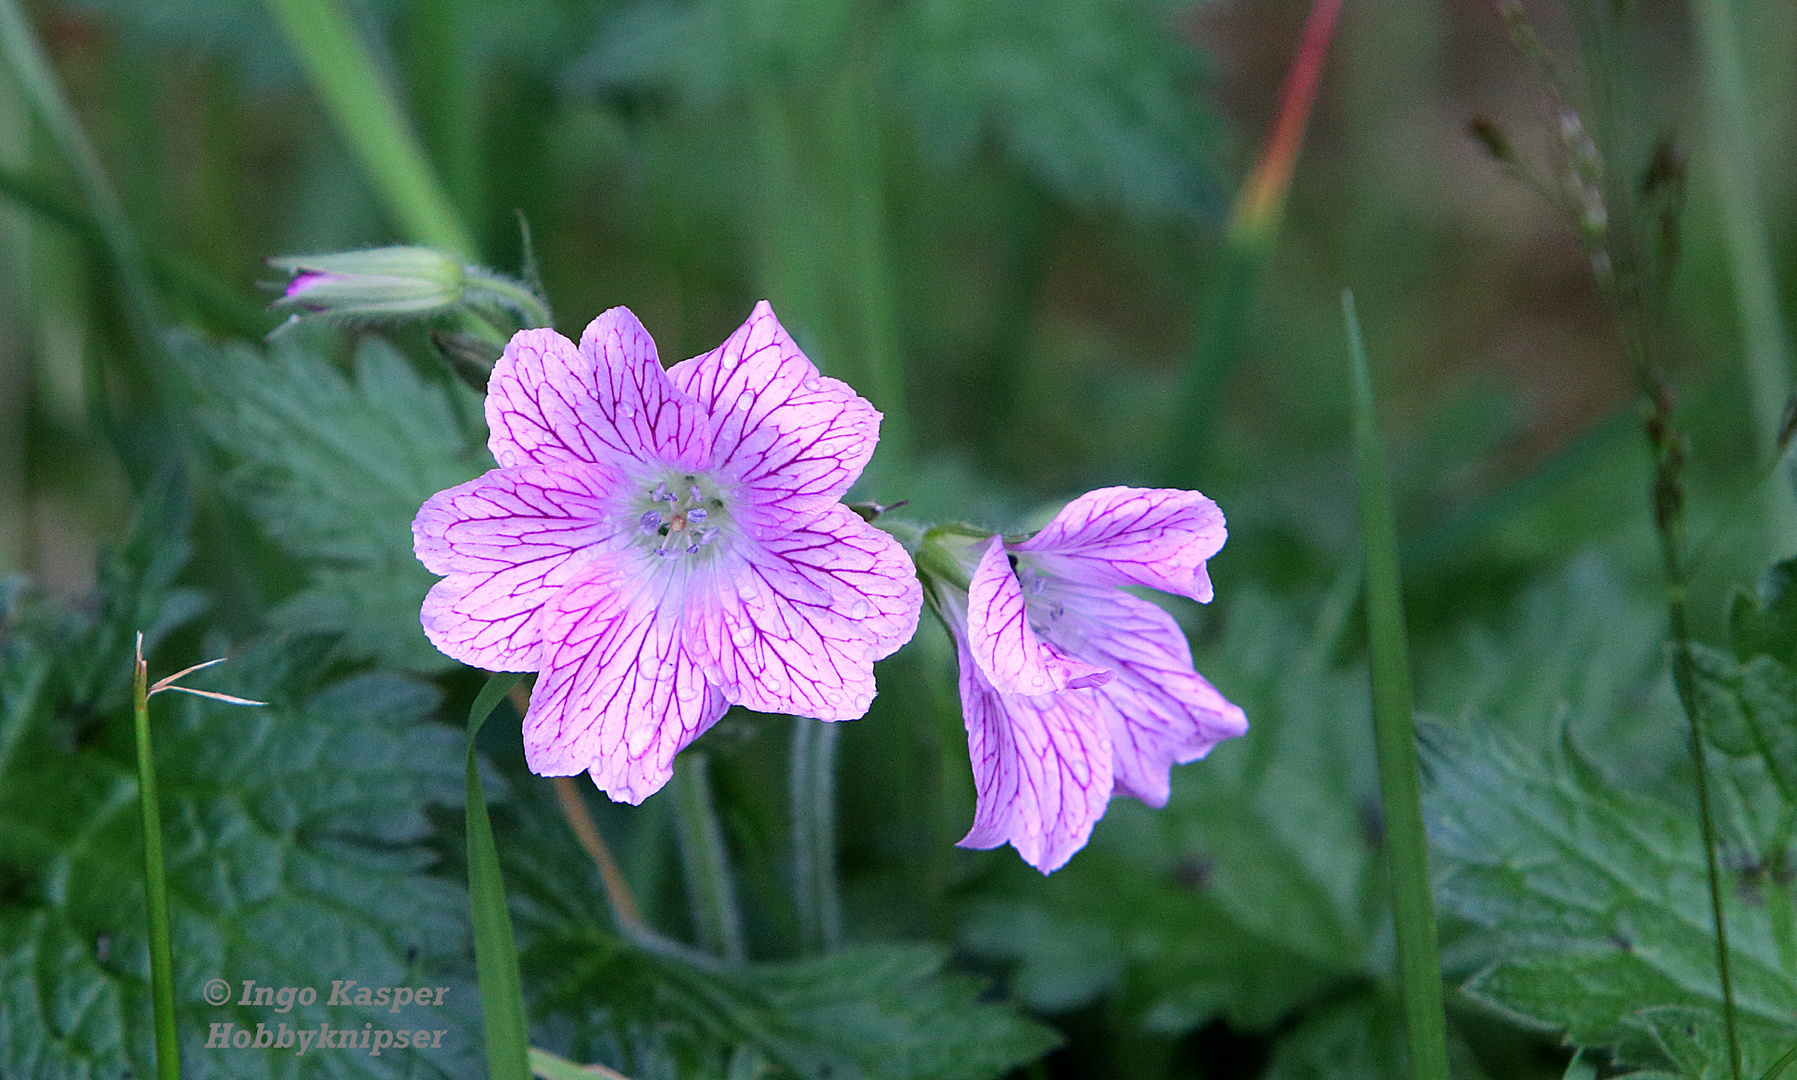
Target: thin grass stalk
367, 112
709, 888
1765, 353
25, 56
1248, 243
162, 960
812, 789
495, 950
1394, 730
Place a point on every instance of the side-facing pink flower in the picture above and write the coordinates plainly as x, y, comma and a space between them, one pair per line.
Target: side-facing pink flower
660, 545
1071, 688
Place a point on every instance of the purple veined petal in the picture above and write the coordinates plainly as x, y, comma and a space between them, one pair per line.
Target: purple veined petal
608, 399
1158, 537
1158, 710
785, 432
1011, 655
508, 541
792, 622
618, 694
1041, 767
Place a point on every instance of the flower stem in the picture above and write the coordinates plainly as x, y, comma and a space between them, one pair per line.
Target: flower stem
162, 963
813, 792
617, 891
367, 112
1744, 230
709, 889
1400, 789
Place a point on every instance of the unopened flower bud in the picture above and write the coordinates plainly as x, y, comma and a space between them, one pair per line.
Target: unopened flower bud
378, 283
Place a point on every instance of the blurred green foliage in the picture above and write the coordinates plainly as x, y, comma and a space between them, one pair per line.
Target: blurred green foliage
997, 218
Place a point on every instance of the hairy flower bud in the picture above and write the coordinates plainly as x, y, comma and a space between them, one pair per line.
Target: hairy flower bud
377, 283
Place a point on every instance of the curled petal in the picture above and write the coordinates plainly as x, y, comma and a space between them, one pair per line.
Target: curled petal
795, 622
787, 433
508, 541
1158, 710
618, 695
1158, 537
1041, 767
549, 402
1011, 655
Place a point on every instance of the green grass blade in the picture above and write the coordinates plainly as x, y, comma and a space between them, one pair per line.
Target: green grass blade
706, 862
1767, 355
1394, 730
162, 960
38, 79
367, 112
495, 953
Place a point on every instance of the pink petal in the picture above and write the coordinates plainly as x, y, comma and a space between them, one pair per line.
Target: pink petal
607, 400
1041, 767
1158, 710
508, 541
1010, 653
793, 621
786, 432
1158, 537
618, 695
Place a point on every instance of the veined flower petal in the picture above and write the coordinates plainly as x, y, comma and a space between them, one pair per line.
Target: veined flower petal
1158, 537
1158, 710
784, 431
508, 541
794, 622
1041, 767
608, 399
1011, 655
618, 695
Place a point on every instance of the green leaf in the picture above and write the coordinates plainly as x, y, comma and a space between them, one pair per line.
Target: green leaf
880, 1012
1358, 1038
1765, 623
295, 855
334, 469
1593, 904
1093, 98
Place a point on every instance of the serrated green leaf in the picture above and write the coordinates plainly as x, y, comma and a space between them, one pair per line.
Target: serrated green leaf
1593, 902
334, 469
879, 1012
1765, 623
1358, 1038
1094, 99
294, 852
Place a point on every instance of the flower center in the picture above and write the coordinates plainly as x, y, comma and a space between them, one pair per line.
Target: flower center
682, 515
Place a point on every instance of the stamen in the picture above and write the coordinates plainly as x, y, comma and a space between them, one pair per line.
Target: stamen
661, 493
697, 513
649, 522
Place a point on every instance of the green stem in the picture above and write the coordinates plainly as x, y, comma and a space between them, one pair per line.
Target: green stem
1419, 962
813, 792
705, 860
1198, 406
162, 962
1744, 229
495, 949
367, 112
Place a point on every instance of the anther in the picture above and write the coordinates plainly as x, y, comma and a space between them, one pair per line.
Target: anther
649, 522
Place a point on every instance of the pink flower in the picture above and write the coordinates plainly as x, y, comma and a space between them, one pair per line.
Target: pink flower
1071, 688
660, 545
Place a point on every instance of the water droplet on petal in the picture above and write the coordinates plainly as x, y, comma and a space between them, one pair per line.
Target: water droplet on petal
858, 609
